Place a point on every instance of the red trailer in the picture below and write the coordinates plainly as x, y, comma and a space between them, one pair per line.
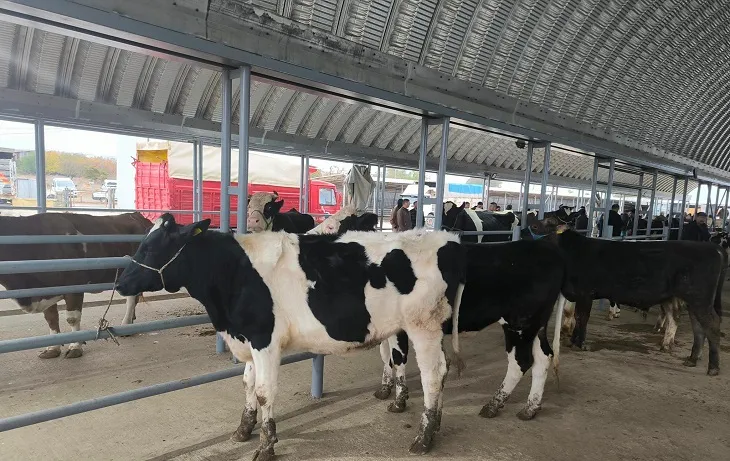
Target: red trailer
164, 181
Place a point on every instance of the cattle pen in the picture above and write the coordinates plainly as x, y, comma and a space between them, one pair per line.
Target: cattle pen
620, 101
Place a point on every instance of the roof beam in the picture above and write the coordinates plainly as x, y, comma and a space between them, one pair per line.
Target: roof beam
279, 47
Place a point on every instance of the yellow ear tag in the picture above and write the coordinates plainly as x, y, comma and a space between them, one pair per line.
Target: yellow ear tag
197, 231
562, 229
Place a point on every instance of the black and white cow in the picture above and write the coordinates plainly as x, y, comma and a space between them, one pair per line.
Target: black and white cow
271, 292
515, 284
669, 273
345, 220
464, 219
264, 214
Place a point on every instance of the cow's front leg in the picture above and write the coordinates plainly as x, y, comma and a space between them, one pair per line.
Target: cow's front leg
432, 364
51, 316
250, 409
671, 316
266, 364
386, 384
130, 315
74, 303
399, 356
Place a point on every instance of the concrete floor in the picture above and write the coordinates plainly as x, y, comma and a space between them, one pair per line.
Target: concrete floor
623, 400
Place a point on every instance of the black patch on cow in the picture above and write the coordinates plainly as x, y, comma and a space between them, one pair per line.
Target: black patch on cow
397, 357
339, 272
398, 270
377, 276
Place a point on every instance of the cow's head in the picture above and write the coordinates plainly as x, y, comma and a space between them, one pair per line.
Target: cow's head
450, 214
262, 206
158, 264
546, 228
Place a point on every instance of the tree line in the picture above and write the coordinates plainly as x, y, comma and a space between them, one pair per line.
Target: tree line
71, 165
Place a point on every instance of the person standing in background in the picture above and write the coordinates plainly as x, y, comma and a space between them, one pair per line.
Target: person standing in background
403, 217
393, 215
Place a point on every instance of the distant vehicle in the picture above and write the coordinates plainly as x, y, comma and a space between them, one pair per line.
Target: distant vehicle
60, 185
102, 194
7, 178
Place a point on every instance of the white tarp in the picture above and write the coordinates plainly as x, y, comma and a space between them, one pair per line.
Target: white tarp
263, 168
359, 186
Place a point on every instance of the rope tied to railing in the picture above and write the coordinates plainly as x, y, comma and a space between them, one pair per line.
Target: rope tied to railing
104, 324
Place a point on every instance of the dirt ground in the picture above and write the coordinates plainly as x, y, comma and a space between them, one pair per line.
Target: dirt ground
623, 400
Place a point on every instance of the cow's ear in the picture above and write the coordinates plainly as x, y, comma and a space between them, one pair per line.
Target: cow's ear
195, 229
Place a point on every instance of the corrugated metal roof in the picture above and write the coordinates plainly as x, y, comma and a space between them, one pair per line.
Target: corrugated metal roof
655, 71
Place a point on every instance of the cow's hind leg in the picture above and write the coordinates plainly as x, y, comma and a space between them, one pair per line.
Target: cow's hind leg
698, 342
51, 316
541, 352
74, 302
399, 356
582, 315
515, 371
705, 324
432, 364
671, 317
266, 364
386, 384
250, 409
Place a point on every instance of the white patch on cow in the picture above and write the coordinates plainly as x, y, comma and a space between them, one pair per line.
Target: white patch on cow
311, 284
502, 321
560, 309
240, 349
448, 206
255, 214
157, 224
129, 316
38, 306
568, 318
477, 222
331, 225
539, 376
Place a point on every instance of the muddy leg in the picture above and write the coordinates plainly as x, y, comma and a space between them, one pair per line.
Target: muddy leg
514, 375
582, 314
386, 384
250, 409
671, 317
399, 355
541, 353
432, 364
698, 342
51, 315
74, 302
266, 364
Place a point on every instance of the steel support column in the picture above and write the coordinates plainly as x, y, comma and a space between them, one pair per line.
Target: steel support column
201, 148
226, 86
485, 194
725, 216
526, 184
305, 191
441, 178
717, 203
697, 198
607, 233
196, 182
592, 199
650, 210
637, 207
40, 165
671, 205
422, 175
243, 120
381, 204
545, 176
301, 185
684, 205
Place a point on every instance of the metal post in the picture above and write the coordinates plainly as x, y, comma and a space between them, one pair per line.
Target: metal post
245, 110
301, 185
671, 205
226, 85
526, 184
697, 198
592, 199
684, 204
725, 216
201, 181
196, 181
607, 231
317, 376
519, 197
40, 165
422, 175
717, 203
376, 193
441, 178
485, 194
545, 175
637, 208
650, 210
382, 199
305, 194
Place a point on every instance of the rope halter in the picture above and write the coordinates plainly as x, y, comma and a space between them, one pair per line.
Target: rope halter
159, 271
268, 222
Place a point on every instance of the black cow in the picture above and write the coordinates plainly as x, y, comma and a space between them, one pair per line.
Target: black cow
264, 214
660, 273
515, 284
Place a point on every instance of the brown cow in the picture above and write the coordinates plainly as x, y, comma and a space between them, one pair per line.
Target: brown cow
66, 224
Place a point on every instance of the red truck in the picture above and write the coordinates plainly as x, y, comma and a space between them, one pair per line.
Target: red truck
164, 181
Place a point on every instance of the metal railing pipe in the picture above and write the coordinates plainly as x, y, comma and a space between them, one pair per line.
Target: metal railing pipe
15, 422
61, 265
55, 291
60, 239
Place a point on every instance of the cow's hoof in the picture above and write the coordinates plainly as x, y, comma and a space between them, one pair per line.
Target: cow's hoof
420, 446
489, 411
240, 435
50, 354
74, 353
713, 371
528, 413
397, 407
264, 454
689, 362
383, 393
665, 348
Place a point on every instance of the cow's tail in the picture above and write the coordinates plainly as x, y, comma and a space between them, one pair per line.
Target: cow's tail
460, 365
556, 335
